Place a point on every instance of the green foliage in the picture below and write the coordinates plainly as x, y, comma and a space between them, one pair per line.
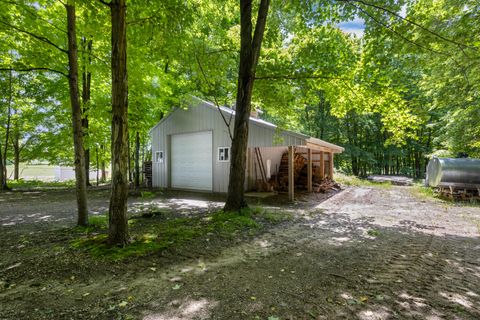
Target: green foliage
401, 93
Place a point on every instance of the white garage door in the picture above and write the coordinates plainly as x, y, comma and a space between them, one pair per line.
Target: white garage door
192, 161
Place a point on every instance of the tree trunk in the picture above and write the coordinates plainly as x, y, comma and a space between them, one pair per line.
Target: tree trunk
129, 160
118, 226
2, 172
16, 155
137, 160
96, 154
249, 55
86, 84
103, 177
7, 133
76, 115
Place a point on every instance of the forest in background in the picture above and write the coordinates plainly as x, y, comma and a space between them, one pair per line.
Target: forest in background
404, 91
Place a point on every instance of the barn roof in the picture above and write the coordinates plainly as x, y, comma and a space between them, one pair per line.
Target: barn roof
310, 141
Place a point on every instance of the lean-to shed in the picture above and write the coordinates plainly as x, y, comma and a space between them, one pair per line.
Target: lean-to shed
191, 148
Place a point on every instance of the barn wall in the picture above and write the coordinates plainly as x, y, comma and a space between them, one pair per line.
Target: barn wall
200, 118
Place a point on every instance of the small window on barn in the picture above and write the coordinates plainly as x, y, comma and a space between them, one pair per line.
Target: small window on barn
223, 154
159, 156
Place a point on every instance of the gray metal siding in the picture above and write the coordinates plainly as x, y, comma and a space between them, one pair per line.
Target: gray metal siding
200, 118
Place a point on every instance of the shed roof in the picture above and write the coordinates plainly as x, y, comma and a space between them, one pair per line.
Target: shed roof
310, 141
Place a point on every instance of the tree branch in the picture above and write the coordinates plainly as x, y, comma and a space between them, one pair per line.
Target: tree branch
396, 32
35, 69
33, 14
105, 2
259, 30
227, 123
41, 38
391, 12
299, 77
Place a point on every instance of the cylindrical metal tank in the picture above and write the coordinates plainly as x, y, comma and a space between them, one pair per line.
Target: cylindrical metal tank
458, 171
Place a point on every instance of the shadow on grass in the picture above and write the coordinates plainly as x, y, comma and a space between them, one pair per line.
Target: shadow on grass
163, 230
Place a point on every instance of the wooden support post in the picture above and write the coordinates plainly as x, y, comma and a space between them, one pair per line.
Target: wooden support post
309, 171
330, 158
322, 165
291, 177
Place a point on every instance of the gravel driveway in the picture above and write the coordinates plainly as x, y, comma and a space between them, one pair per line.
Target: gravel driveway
364, 253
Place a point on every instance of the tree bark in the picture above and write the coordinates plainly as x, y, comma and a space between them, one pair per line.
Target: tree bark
249, 55
7, 133
86, 84
137, 160
2, 172
16, 155
79, 158
103, 177
118, 226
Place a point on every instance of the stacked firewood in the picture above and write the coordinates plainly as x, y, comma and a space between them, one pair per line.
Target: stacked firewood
280, 180
325, 185
300, 167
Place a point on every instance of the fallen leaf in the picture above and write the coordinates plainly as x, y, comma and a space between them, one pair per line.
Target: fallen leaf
363, 298
123, 304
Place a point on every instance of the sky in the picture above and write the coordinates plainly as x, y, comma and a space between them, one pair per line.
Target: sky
356, 27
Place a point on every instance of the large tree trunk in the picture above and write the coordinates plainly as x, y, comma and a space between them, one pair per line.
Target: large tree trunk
76, 115
7, 133
137, 160
249, 54
118, 227
86, 83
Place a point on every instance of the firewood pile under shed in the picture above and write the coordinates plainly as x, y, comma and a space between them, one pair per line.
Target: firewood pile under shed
279, 180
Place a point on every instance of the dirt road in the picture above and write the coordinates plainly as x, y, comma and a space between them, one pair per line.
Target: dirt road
365, 253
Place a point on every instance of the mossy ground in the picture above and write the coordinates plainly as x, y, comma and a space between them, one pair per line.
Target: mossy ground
165, 230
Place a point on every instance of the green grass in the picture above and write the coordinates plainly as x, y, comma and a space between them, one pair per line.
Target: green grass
151, 235
147, 194
348, 180
423, 192
373, 232
37, 184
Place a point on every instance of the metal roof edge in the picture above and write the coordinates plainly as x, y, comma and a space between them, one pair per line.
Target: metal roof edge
325, 144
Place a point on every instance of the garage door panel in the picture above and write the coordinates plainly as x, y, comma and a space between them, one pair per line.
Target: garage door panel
191, 161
